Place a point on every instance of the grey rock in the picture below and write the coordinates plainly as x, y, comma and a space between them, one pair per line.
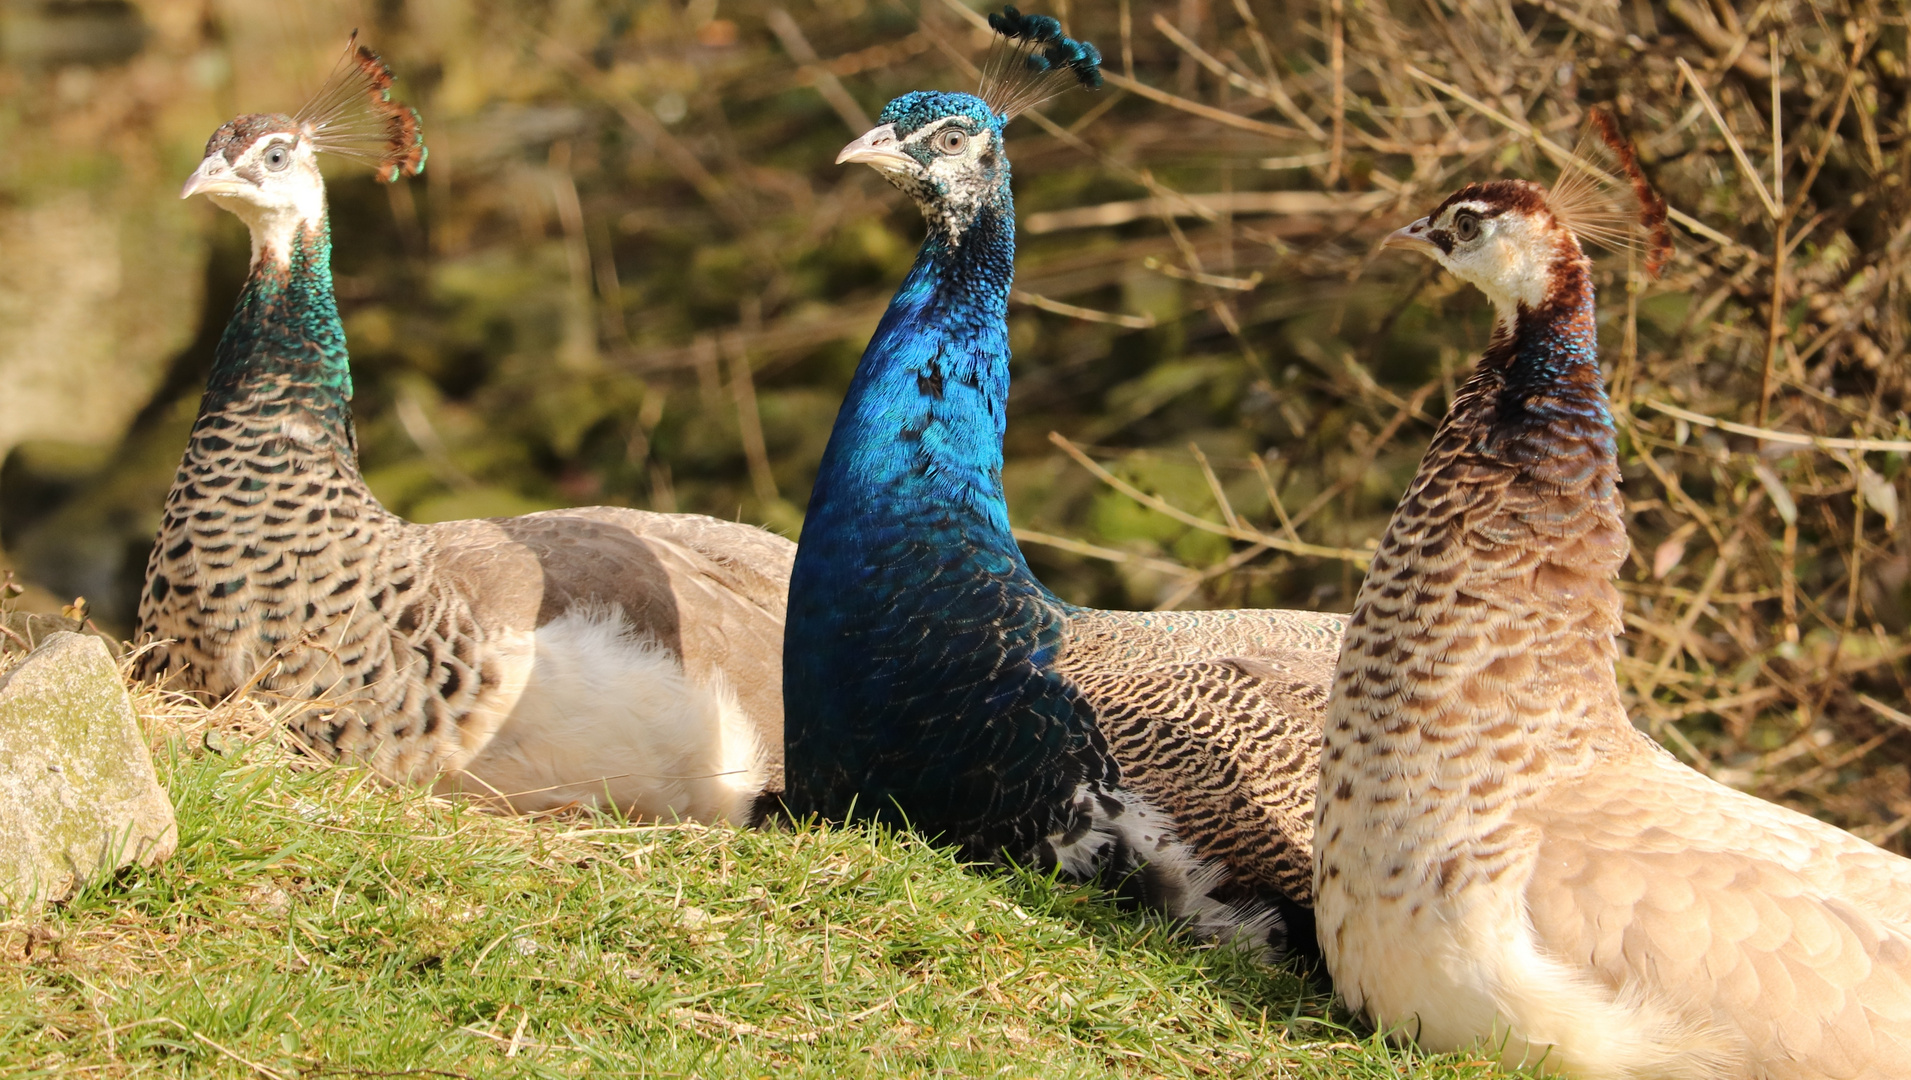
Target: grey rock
78, 795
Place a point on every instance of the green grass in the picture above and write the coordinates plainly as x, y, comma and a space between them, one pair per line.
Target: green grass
314, 923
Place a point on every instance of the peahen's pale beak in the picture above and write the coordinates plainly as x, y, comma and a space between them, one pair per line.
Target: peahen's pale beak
213, 177
1413, 238
879, 150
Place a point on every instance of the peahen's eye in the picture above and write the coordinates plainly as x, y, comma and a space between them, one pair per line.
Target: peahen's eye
277, 157
951, 141
1466, 226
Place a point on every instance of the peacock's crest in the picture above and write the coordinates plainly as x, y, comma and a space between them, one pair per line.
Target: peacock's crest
911, 112
1031, 60
353, 115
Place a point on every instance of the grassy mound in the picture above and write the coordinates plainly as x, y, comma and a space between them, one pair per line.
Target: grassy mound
317, 923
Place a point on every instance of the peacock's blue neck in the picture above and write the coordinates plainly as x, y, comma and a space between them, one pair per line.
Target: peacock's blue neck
915, 631
918, 443
284, 345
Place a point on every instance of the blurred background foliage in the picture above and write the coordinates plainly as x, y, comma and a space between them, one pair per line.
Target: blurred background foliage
631, 275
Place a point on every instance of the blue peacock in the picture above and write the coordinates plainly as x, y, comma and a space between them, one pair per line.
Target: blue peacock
931, 680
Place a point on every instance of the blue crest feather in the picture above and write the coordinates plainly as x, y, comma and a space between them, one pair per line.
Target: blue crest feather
1033, 61
1058, 49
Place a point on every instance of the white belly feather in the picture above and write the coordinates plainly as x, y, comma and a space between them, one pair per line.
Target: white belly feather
591, 712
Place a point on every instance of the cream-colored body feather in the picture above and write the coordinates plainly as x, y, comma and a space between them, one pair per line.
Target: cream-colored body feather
607, 716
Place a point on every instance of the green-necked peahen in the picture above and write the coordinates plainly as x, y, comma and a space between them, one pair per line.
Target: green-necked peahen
593, 655
929, 678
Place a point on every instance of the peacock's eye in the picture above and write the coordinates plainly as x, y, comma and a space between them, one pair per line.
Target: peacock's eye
951, 140
1466, 226
278, 156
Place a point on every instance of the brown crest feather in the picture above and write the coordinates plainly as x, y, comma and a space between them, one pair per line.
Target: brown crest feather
353, 115
1652, 205
1593, 202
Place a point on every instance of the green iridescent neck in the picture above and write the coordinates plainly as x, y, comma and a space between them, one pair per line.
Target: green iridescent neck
285, 330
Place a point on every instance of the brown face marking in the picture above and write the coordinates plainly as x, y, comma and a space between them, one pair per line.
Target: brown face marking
1499, 196
236, 135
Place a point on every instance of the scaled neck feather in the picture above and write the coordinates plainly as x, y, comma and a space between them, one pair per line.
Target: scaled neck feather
1550, 403
284, 342
1535, 417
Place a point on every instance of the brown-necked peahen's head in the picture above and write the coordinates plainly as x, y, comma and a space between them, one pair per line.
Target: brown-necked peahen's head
1506, 236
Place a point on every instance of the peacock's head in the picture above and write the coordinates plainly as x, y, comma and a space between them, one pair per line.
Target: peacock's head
264, 166
944, 150
1500, 236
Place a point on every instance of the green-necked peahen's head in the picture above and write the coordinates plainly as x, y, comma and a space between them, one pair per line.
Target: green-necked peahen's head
945, 150
264, 166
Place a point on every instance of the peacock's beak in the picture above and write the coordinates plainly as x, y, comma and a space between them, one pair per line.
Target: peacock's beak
1413, 238
213, 177
879, 150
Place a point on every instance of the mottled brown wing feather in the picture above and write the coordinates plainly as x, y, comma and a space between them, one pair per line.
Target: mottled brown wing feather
1230, 749
1139, 640
1215, 717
